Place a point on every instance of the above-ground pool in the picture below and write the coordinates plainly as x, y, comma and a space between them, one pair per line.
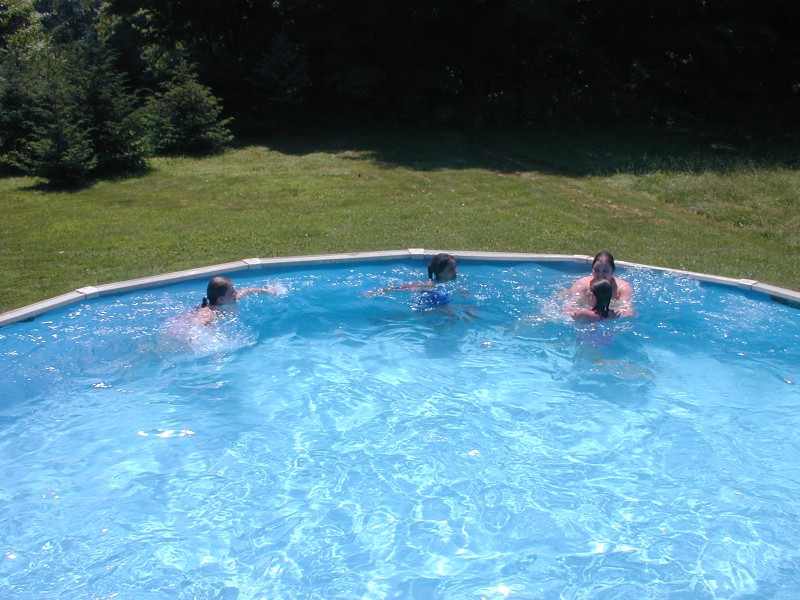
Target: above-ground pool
325, 443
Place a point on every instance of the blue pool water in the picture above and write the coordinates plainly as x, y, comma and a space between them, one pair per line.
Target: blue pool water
327, 444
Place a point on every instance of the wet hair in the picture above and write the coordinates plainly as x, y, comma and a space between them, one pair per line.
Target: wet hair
605, 257
602, 291
216, 289
438, 264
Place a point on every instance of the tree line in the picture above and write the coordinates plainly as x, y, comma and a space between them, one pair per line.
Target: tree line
95, 87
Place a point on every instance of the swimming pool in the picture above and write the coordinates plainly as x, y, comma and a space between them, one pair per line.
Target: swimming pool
327, 444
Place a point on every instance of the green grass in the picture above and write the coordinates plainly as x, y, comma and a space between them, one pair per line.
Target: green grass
671, 200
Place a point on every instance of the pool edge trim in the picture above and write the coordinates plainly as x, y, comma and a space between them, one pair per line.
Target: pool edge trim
25, 313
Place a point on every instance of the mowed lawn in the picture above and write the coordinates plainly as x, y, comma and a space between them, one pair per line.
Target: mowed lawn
672, 199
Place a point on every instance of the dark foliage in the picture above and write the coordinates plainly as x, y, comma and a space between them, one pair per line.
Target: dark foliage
73, 98
184, 117
59, 148
505, 61
115, 133
500, 62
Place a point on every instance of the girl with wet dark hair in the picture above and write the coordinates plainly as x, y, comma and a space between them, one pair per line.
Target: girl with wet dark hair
221, 294
601, 292
442, 268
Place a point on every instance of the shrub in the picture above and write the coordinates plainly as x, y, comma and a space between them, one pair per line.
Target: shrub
59, 149
184, 117
110, 110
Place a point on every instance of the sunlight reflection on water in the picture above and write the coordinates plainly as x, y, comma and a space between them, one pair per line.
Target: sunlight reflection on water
324, 444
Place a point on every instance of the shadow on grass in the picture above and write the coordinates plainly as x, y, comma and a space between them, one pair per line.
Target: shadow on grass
558, 151
566, 152
43, 185
40, 185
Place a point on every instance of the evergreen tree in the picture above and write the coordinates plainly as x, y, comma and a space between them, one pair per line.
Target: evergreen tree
68, 21
116, 135
16, 109
21, 44
69, 116
282, 73
59, 148
184, 116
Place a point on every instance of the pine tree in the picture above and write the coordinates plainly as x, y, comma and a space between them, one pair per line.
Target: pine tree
21, 43
60, 148
282, 73
184, 117
109, 107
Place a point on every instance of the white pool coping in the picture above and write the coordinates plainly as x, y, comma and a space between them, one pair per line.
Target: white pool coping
775, 293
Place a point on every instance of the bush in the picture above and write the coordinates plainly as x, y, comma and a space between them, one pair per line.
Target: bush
110, 109
184, 117
66, 115
60, 149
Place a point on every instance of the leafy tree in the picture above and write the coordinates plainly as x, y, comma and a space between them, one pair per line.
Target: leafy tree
19, 25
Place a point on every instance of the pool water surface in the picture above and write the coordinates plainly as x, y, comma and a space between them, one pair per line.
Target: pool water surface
326, 443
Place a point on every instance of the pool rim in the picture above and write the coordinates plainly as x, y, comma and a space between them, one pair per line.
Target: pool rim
26, 313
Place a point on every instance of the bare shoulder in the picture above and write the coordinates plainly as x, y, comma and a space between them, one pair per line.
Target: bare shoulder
624, 302
624, 289
581, 284
203, 315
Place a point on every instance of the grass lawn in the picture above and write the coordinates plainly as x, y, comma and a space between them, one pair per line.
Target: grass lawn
668, 199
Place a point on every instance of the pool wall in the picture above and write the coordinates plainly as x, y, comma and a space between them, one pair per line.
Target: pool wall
24, 313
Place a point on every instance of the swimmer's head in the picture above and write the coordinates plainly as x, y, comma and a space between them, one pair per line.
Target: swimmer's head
602, 292
220, 292
603, 266
442, 267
